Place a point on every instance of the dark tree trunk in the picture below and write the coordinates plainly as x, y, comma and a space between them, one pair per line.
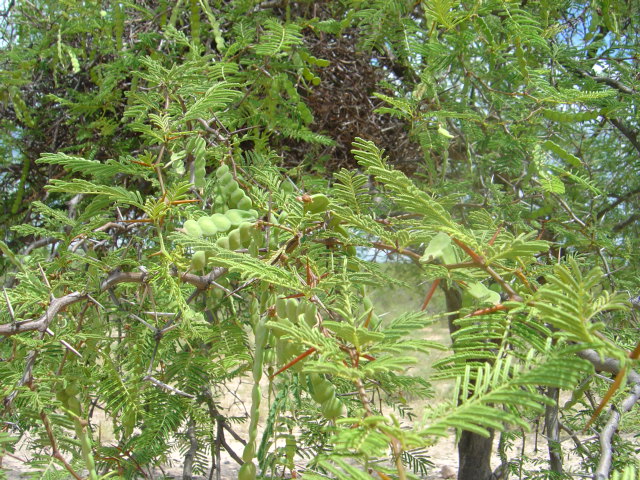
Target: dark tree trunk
552, 426
474, 456
474, 451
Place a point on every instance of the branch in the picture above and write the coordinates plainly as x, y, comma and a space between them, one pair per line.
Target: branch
627, 132
169, 388
480, 261
623, 224
611, 365
43, 322
54, 447
612, 82
5, 12
619, 200
203, 282
606, 450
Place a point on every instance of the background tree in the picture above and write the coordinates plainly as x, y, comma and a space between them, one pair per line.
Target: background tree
516, 124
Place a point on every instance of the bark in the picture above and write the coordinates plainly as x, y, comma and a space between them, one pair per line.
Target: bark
474, 451
474, 456
553, 432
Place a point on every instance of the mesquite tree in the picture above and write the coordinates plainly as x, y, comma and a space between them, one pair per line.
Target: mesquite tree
164, 252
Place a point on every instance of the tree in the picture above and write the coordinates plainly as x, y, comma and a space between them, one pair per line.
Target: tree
170, 249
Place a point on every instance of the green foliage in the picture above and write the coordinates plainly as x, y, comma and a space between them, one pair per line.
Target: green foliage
156, 255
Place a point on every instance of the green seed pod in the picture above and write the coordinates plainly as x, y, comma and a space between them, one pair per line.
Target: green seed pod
256, 395
302, 306
229, 188
221, 222
223, 242
340, 230
62, 396
323, 391
192, 228
257, 237
316, 379
199, 173
234, 217
265, 299
277, 332
245, 233
237, 216
249, 452
247, 472
72, 389
310, 314
222, 170
73, 404
281, 307
198, 260
129, 422
318, 204
290, 448
234, 239
332, 408
244, 203
235, 197
219, 200
225, 179
281, 345
292, 350
286, 186
292, 310
207, 226
269, 356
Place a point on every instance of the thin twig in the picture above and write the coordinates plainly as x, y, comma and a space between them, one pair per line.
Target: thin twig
54, 446
163, 385
9, 306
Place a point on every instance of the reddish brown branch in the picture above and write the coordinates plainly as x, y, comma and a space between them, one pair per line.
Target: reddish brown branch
479, 259
54, 447
495, 235
487, 311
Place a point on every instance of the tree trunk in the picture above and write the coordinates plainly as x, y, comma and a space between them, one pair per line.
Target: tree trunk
474, 456
553, 431
474, 451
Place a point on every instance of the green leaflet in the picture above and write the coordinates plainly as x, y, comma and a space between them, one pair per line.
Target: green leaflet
358, 336
116, 194
481, 292
278, 38
97, 169
521, 246
440, 248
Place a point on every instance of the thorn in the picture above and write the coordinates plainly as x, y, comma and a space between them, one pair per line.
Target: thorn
294, 361
430, 293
